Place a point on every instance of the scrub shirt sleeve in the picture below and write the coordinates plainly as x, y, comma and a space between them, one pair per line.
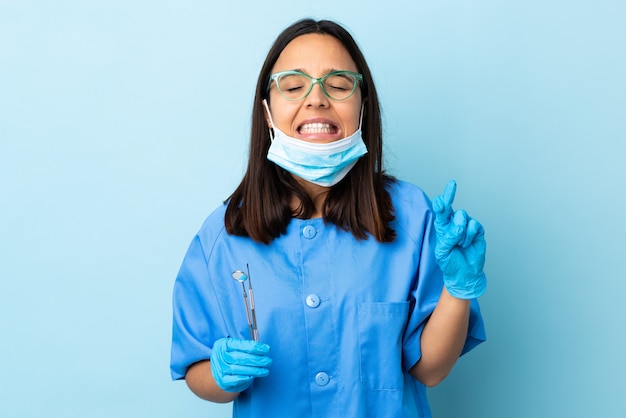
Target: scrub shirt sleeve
476, 330
425, 296
196, 311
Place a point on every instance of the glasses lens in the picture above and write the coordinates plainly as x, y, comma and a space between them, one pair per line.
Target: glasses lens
293, 86
337, 86
340, 86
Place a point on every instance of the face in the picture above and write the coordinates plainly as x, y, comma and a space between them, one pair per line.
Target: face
316, 118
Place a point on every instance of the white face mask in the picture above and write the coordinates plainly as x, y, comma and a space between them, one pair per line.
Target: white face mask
322, 164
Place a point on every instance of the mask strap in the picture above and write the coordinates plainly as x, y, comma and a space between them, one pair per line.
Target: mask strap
361, 117
271, 120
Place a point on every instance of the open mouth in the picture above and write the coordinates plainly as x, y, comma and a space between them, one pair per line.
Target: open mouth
317, 128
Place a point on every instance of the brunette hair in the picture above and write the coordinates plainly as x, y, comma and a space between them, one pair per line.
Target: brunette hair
360, 203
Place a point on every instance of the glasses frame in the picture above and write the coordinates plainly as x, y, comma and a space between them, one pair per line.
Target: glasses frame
274, 77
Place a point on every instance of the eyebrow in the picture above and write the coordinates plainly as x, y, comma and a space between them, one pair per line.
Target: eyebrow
328, 71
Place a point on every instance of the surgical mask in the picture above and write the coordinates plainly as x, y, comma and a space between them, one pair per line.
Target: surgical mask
322, 164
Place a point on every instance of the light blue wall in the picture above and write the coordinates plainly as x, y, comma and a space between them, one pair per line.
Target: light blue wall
124, 123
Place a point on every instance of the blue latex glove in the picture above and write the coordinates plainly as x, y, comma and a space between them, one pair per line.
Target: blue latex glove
235, 363
460, 248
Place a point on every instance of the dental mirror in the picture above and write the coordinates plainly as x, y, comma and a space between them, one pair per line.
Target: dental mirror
240, 276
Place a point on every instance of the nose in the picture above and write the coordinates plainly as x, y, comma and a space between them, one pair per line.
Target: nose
317, 97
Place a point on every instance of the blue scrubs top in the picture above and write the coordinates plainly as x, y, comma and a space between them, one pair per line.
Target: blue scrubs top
343, 317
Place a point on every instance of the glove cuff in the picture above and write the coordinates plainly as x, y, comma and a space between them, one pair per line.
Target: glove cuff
466, 287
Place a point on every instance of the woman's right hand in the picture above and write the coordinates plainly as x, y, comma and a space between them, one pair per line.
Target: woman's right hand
236, 363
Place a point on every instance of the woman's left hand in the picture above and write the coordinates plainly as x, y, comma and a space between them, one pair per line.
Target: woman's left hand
460, 248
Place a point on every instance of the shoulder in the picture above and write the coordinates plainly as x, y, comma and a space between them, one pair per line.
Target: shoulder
212, 229
412, 209
407, 196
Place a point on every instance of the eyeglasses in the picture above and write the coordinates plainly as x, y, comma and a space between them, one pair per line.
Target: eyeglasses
296, 85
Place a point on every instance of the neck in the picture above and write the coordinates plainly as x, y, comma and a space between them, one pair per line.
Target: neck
317, 194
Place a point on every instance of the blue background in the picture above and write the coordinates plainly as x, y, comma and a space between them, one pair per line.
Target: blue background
124, 123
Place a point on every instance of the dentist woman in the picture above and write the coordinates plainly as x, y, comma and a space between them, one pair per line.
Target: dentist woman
365, 291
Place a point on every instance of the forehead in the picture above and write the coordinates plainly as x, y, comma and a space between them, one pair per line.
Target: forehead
315, 54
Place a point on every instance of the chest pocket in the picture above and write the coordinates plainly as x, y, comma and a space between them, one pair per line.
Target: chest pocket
380, 340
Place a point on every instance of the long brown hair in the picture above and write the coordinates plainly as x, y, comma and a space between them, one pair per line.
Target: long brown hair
260, 206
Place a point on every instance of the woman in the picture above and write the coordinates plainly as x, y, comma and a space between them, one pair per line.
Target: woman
365, 292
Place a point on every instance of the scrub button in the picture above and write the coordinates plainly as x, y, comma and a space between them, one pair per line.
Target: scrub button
312, 301
322, 379
309, 231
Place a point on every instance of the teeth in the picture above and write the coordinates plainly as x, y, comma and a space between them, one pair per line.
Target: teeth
317, 128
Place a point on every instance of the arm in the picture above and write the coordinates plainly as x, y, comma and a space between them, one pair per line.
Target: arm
460, 253
200, 380
442, 339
